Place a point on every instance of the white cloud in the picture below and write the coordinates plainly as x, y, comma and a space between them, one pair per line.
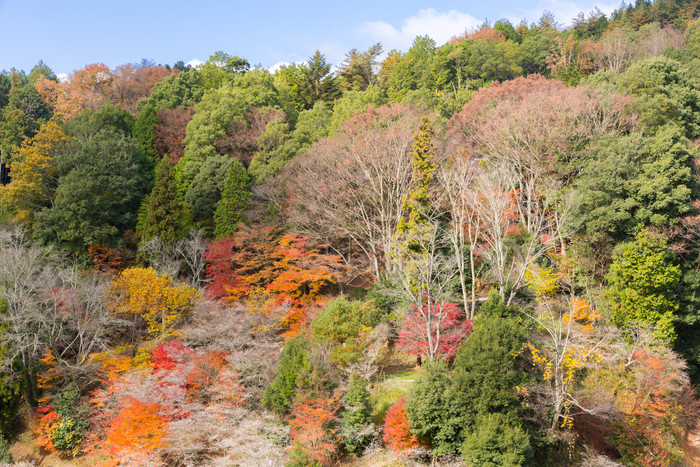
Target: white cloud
62, 77
277, 66
439, 26
194, 63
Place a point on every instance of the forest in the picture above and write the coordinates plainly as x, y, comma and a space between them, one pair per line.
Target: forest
483, 253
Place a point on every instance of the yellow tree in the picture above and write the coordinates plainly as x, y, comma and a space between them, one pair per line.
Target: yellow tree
34, 173
159, 303
564, 344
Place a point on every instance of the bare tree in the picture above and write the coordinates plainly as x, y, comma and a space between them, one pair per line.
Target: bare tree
367, 173
458, 194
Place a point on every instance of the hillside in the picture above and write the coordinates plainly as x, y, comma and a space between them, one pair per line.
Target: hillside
483, 252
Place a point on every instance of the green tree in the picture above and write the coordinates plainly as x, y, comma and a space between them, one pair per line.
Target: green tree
205, 191
98, 196
234, 201
180, 90
497, 442
164, 213
664, 94
636, 181
357, 415
642, 285
484, 378
292, 367
427, 403
345, 324
221, 68
145, 133
356, 72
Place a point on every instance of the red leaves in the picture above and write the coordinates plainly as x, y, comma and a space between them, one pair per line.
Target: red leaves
435, 331
397, 432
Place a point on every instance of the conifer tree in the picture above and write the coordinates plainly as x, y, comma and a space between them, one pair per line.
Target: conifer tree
145, 133
233, 202
164, 213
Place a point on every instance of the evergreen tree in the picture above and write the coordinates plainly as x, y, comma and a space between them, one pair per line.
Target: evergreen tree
145, 133
233, 202
484, 378
427, 408
497, 441
357, 415
292, 366
164, 213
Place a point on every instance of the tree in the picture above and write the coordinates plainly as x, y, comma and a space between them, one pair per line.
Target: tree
170, 132
164, 214
98, 196
435, 331
642, 285
154, 302
496, 441
397, 432
34, 173
233, 202
484, 379
427, 403
313, 432
345, 325
139, 430
145, 133
357, 71
355, 423
369, 157
291, 367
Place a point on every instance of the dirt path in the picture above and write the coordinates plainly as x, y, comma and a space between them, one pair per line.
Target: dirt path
692, 448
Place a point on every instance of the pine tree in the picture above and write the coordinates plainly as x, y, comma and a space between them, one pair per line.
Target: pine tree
164, 213
233, 202
145, 133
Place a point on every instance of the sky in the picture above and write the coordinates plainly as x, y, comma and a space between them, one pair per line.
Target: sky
70, 34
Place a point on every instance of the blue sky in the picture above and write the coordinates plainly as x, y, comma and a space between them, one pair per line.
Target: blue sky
69, 34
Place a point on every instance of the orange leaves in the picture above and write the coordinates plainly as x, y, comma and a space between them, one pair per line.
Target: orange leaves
139, 428
286, 274
45, 419
312, 428
161, 303
397, 432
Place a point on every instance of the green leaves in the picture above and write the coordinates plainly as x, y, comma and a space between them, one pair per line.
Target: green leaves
233, 202
642, 282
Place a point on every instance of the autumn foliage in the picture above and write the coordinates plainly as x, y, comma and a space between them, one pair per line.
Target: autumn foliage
397, 432
313, 432
161, 304
440, 326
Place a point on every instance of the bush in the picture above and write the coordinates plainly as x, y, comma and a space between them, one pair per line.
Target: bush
496, 442
67, 434
5, 456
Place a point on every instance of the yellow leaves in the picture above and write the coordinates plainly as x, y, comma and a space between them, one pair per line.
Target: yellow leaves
162, 304
33, 173
542, 281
